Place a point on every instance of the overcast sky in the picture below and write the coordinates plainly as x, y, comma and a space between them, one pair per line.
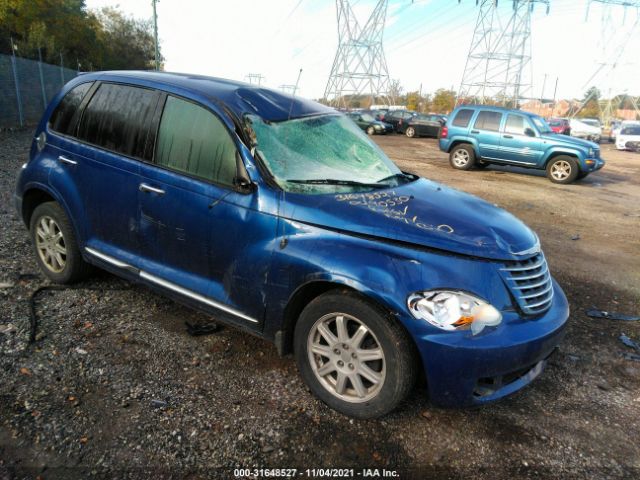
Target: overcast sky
426, 41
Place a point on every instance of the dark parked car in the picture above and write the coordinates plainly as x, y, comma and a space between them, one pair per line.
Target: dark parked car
277, 215
560, 125
369, 124
377, 114
398, 117
423, 126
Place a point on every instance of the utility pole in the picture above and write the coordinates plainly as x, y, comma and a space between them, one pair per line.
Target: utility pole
360, 66
291, 89
155, 34
500, 52
254, 78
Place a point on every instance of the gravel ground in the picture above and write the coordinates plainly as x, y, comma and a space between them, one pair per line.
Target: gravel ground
114, 387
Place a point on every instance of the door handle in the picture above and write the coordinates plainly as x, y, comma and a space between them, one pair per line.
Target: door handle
148, 188
507, 136
475, 131
66, 160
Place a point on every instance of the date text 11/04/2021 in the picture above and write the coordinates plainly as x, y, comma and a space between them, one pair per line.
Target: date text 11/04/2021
349, 473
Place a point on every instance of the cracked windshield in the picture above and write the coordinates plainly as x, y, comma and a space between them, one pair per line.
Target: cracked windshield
323, 154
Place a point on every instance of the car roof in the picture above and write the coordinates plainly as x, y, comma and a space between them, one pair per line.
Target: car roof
239, 97
496, 109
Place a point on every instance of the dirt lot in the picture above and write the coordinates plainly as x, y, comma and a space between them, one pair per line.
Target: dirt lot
116, 388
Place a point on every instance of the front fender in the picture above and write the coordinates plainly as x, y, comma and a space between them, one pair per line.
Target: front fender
555, 151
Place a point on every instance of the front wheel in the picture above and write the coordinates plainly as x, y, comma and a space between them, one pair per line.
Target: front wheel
462, 157
371, 130
562, 169
411, 132
353, 356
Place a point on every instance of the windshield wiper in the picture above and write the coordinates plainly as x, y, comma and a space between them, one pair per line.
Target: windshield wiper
331, 181
407, 176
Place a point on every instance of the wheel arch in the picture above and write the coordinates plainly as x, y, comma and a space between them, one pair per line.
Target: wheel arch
561, 153
460, 141
35, 195
313, 289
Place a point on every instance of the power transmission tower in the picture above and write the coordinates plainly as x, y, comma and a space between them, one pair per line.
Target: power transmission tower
613, 42
500, 53
254, 78
359, 67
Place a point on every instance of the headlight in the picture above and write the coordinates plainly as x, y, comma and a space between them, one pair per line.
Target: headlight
377, 127
452, 310
592, 152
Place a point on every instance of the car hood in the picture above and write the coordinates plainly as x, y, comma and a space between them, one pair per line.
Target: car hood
422, 213
569, 141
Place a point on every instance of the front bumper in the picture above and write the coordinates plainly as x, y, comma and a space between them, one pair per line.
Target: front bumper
465, 370
594, 164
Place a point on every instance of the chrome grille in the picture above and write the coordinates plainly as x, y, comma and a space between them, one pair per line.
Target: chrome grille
530, 282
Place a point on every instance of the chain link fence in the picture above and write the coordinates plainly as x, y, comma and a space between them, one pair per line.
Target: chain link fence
27, 87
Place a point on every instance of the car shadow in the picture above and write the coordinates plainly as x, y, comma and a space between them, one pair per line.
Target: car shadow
595, 179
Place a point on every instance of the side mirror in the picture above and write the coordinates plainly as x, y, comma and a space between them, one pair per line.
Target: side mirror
529, 132
242, 181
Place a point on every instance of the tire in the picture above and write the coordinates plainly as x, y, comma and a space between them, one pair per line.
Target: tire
371, 130
562, 169
395, 371
462, 157
410, 132
55, 245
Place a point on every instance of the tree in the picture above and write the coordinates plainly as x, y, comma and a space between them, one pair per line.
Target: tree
395, 90
590, 104
443, 101
104, 40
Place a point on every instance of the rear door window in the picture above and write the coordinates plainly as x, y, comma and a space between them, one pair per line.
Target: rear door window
62, 119
487, 120
118, 118
194, 141
515, 125
463, 117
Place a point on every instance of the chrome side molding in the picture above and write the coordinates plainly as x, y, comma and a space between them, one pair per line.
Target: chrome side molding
170, 285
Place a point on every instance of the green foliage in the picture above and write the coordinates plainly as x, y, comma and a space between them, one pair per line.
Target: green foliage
590, 107
101, 40
443, 101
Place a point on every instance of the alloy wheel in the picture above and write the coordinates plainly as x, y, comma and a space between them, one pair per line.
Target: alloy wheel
561, 170
460, 158
410, 132
50, 244
346, 357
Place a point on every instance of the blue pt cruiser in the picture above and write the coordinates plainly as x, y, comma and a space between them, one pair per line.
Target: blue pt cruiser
279, 216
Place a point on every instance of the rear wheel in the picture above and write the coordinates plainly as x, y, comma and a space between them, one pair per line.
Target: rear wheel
462, 157
353, 356
411, 132
55, 245
562, 169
